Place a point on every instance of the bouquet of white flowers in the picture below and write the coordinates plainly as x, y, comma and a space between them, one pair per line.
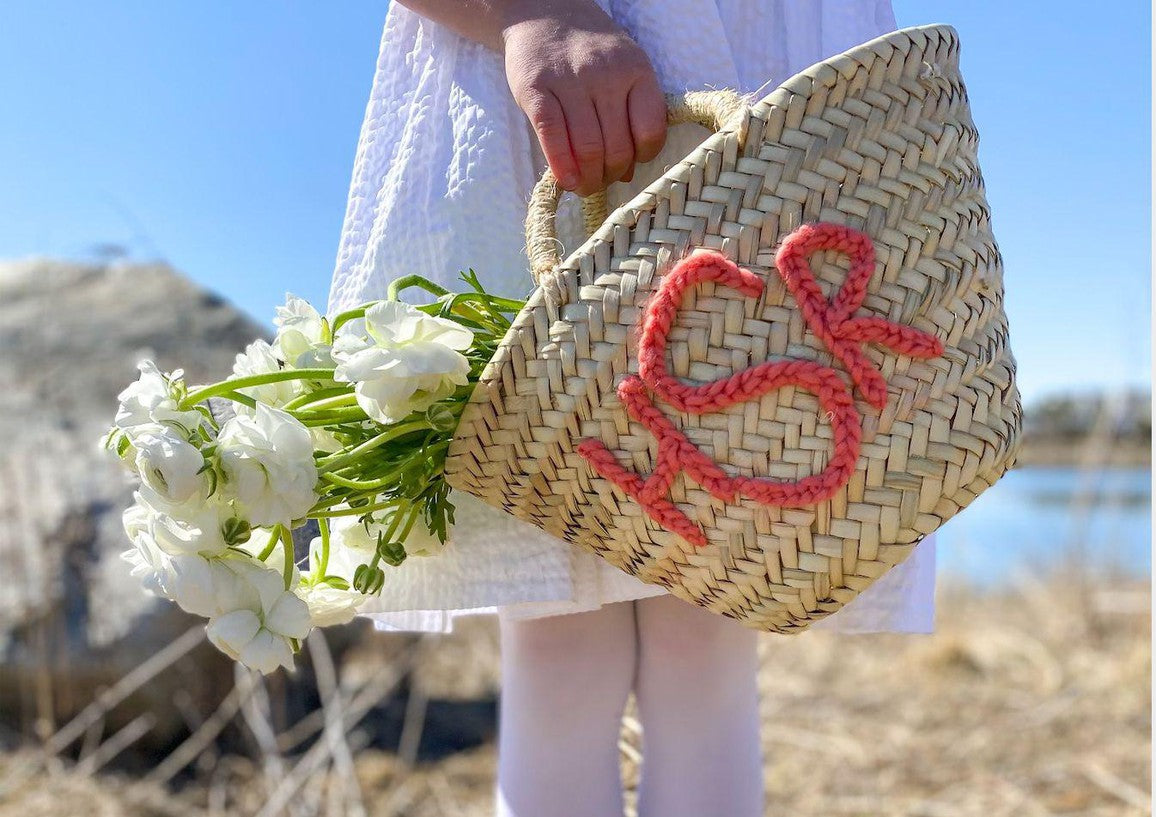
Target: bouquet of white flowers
345, 421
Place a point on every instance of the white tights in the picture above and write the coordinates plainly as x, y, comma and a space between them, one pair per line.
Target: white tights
565, 683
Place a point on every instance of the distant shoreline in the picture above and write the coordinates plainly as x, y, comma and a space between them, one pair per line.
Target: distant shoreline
1079, 453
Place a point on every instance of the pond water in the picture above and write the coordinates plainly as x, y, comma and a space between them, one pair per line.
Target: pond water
1038, 517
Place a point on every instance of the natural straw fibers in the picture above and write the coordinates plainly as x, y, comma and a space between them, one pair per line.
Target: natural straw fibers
764, 379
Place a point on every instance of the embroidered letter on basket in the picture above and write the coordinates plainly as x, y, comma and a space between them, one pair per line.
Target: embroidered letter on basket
832, 321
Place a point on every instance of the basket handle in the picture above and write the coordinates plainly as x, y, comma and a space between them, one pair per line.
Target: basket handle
711, 109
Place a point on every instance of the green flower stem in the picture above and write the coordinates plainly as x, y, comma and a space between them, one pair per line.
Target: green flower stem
428, 460
414, 513
236, 397
308, 399
287, 568
323, 527
487, 320
336, 495
395, 520
332, 463
326, 503
380, 506
498, 304
330, 418
344, 317
327, 403
407, 281
267, 551
232, 384
355, 430
362, 485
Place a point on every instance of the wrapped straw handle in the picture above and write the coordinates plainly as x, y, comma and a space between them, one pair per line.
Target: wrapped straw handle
711, 109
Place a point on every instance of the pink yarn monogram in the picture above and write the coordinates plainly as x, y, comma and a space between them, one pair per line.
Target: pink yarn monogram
832, 321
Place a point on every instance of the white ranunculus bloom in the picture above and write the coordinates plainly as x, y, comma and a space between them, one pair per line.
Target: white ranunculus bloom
150, 400
349, 533
324, 440
330, 606
251, 615
193, 527
301, 335
267, 460
420, 542
240, 636
261, 358
205, 587
255, 626
170, 464
149, 563
404, 361
233, 631
197, 584
350, 545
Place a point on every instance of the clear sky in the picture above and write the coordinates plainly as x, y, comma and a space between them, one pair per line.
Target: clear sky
220, 136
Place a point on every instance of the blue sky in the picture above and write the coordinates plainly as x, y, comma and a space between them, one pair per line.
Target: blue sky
220, 137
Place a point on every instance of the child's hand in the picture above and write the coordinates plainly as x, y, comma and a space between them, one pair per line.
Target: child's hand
588, 90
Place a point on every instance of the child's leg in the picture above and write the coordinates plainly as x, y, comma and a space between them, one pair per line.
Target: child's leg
698, 704
565, 681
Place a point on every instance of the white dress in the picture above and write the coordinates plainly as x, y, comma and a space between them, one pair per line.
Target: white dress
442, 175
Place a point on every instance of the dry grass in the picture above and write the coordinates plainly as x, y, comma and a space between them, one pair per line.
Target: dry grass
1031, 702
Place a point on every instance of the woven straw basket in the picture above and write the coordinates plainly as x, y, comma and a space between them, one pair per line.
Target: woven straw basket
764, 379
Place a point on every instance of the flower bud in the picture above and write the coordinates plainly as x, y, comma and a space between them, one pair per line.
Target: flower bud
392, 553
368, 580
236, 531
441, 418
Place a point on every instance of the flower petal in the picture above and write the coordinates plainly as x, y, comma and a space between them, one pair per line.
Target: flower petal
289, 617
232, 632
265, 652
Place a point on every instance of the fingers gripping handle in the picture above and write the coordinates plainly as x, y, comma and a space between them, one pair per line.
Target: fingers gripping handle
711, 109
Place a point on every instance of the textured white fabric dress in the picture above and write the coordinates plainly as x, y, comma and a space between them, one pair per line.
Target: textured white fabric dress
442, 175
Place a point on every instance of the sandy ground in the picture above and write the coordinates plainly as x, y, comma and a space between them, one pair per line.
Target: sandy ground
1032, 702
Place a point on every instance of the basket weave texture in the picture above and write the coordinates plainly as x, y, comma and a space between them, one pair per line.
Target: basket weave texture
704, 396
